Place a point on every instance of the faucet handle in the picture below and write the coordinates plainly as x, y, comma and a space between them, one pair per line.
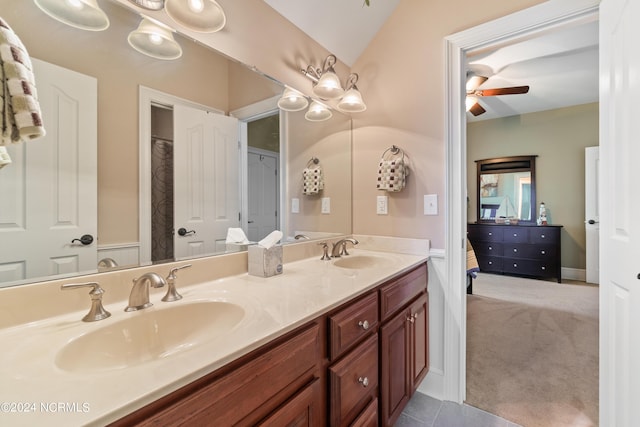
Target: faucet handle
172, 294
325, 254
97, 311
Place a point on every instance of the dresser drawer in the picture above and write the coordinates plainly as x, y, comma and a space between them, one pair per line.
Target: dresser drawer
353, 382
485, 234
490, 264
488, 248
516, 235
544, 235
350, 325
529, 267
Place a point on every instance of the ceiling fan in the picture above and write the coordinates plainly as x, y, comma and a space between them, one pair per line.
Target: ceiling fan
473, 93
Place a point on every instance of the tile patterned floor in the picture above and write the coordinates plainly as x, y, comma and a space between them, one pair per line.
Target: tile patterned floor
425, 411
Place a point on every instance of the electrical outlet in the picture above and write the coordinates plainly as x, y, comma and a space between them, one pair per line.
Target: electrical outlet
326, 205
431, 204
381, 205
295, 205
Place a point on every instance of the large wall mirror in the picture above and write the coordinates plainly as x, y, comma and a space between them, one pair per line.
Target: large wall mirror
201, 83
506, 189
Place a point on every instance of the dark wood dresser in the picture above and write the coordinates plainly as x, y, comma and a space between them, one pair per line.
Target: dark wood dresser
519, 250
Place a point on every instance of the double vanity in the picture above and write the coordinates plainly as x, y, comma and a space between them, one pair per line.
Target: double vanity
328, 342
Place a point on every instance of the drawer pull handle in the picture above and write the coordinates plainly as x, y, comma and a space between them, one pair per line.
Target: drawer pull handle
490, 234
364, 381
515, 265
515, 250
490, 248
411, 319
364, 324
490, 262
542, 236
544, 268
515, 234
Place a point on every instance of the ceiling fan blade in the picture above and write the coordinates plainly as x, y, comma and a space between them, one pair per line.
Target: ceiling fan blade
475, 81
503, 91
476, 109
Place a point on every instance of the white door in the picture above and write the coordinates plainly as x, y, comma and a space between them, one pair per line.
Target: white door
49, 192
262, 168
619, 213
206, 181
591, 213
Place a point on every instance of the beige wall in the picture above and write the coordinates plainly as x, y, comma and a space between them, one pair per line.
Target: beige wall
558, 138
402, 81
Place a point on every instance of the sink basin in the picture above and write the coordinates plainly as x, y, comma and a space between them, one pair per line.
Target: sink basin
148, 335
361, 261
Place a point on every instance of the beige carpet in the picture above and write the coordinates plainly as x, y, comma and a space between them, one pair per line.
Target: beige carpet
532, 351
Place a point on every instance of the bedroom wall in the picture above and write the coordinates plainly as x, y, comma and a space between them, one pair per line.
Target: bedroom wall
558, 138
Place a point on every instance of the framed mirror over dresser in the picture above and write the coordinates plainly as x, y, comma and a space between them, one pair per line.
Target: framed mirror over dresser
506, 238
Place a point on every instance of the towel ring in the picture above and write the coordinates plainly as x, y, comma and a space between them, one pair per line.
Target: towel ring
394, 150
313, 160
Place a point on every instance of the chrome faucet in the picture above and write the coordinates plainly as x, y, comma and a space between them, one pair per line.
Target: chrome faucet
172, 294
340, 247
325, 251
139, 298
97, 311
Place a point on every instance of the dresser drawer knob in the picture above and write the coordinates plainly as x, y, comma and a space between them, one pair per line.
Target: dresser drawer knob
544, 268
515, 249
515, 234
364, 324
515, 265
542, 236
490, 234
490, 248
364, 381
490, 262
543, 252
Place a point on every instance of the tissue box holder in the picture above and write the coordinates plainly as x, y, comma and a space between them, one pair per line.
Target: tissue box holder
265, 262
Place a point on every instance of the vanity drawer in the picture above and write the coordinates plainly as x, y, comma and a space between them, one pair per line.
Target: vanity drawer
516, 235
485, 234
350, 325
488, 248
353, 382
397, 293
544, 235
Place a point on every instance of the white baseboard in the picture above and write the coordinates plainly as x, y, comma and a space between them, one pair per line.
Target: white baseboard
433, 384
574, 273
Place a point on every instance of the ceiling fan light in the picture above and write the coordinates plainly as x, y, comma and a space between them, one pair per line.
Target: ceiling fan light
328, 86
470, 101
81, 14
318, 112
292, 100
149, 4
203, 16
154, 40
352, 102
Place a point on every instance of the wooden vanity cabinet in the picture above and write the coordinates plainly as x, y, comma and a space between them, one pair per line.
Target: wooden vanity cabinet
278, 384
404, 342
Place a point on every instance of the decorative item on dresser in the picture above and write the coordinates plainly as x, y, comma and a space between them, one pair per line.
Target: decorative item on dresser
527, 250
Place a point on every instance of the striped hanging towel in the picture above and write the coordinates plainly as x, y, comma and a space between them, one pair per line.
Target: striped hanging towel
312, 181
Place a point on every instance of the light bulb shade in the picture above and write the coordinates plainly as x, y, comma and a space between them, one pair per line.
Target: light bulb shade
328, 86
82, 14
149, 4
352, 102
317, 112
470, 101
154, 40
204, 16
292, 100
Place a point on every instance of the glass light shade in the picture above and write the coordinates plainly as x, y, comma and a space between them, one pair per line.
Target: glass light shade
204, 16
352, 102
154, 40
328, 86
318, 112
292, 100
82, 14
149, 4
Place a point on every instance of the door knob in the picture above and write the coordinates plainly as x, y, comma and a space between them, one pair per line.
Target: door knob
87, 239
591, 221
183, 232
250, 222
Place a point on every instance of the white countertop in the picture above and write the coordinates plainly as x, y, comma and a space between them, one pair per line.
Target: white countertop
35, 391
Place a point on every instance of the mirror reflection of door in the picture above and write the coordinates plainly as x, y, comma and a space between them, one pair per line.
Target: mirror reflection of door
263, 146
49, 191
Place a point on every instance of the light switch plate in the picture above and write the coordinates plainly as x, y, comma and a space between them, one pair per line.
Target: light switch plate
431, 204
326, 205
381, 205
295, 205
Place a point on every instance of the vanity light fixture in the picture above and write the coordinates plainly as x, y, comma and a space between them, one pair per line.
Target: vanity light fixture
81, 14
292, 100
149, 4
326, 85
203, 16
318, 112
154, 39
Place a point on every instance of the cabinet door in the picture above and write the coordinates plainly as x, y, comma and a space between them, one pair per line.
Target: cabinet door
419, 313
395, 385
302, 410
